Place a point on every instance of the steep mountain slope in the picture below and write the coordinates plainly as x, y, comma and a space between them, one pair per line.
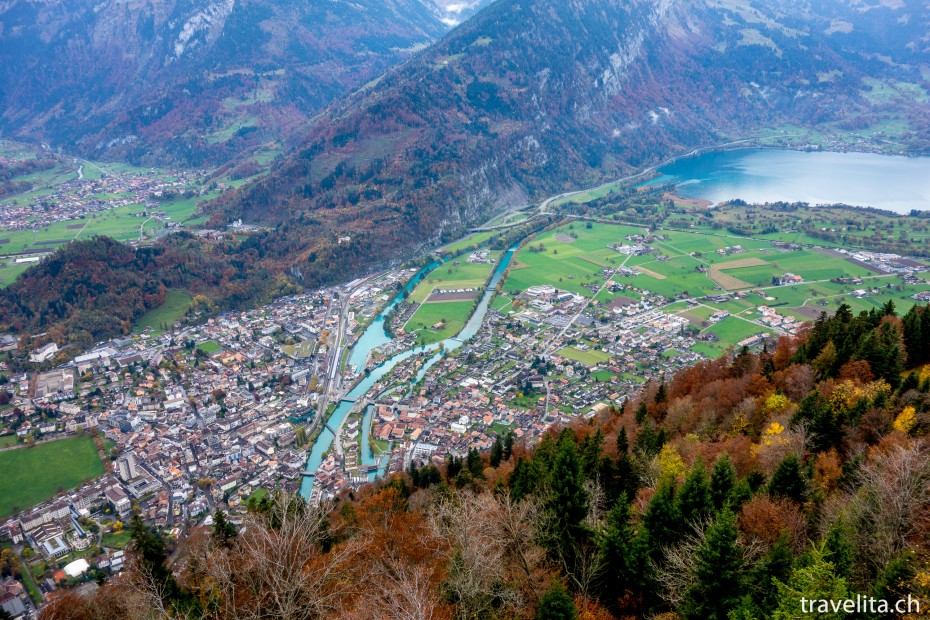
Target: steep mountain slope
530, 97
191, 80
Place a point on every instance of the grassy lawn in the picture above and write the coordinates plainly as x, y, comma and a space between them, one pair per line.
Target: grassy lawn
455, 274
453, 314
116, 541
258, 494
209, 347
8, 440
174, 307
32, 475
590, 357
471, 241
730, 330
9, 272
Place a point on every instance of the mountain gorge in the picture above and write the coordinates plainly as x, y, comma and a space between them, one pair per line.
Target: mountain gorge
530, 98
192, 82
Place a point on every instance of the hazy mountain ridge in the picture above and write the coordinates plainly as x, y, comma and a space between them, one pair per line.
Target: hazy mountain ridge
191, 81
530, 98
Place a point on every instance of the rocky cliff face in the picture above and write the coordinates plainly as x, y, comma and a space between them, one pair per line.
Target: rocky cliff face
532, 97
191, 80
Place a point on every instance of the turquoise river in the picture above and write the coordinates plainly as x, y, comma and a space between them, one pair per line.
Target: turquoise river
375, 336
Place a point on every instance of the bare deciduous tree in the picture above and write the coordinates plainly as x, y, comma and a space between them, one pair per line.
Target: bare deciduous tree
277, 569
891, 506
477, 553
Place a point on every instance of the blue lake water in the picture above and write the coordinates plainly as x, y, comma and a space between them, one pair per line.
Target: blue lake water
375, 336
894, 183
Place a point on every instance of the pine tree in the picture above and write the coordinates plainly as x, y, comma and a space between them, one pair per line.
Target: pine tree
913, 336
591, 450
616, 547
661, 394
453, 467
525, 479
892, 581
508, 446
722, 481
662, 521
497, 452
223, 530
153, 558
694, 497
788, 480
648, 441
715, 591
556, 604
774, 568
839, 549
567, 505
814, 579
623, 443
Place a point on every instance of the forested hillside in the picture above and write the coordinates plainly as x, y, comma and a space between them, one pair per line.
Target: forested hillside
531, 98
731, 490
94, 289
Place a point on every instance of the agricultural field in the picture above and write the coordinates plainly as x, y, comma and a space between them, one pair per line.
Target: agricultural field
443, 316
451, 315
157, 319
698, 265
33, 474
570, 258
456, 274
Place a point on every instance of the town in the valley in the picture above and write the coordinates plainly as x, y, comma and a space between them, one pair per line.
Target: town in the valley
321, 392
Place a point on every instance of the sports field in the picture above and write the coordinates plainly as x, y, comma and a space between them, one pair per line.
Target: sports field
32, 475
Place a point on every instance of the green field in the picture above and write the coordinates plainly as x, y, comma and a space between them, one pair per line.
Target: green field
573, 257
590, 357
574, 266
32, 475
117, 541
121, 223
209, 347
8, 440
470, 241
454, 313
175, 305
455, 274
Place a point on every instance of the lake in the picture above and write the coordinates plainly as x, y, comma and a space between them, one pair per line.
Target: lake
889, 182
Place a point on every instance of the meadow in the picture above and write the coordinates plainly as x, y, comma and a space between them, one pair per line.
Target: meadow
458, 273
34, 474
175, 305
591, 357
453, 315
